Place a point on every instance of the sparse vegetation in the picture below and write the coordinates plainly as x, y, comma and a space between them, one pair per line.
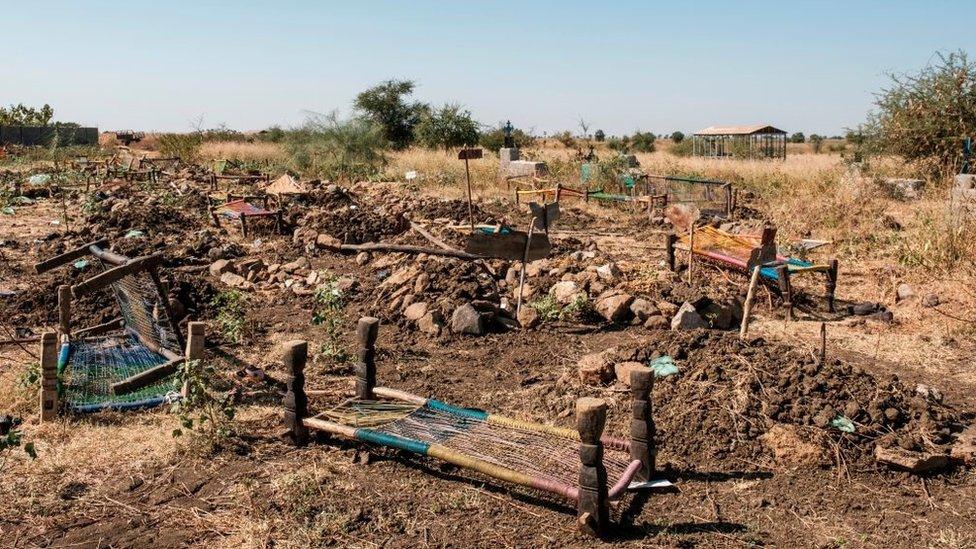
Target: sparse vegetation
340, 150
205, 411
231, 319
448, 127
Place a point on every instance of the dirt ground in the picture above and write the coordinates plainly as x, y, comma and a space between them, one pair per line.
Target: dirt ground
741, 428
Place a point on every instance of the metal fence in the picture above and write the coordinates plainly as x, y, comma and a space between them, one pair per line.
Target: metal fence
45, 136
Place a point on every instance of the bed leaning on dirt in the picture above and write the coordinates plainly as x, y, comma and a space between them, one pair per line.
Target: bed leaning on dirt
124, 364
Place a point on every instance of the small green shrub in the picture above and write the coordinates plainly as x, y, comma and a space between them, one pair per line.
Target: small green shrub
547, 307
328, 314
14, 439
447, 127
204, 410
231, 318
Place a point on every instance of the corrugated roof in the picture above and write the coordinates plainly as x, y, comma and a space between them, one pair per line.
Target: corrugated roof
739, 130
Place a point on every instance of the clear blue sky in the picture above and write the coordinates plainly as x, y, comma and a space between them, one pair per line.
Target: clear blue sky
626, 65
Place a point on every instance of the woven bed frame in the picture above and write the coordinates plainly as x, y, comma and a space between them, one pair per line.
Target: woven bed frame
582, 466
127, 363
748, 252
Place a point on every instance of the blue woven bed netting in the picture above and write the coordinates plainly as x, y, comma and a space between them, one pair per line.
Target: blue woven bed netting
87, 368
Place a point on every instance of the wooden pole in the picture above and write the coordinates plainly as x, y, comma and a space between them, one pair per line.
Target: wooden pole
366, 332
525, 261
747, 308
49, 376
593, 511
642, 428
823, 344
786, 290
691, 253
296, 401
467, 175
64, 309
669, 241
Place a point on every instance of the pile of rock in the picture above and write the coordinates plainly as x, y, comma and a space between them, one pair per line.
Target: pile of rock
296, 276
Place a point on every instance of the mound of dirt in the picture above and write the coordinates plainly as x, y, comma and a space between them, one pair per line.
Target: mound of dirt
731, 396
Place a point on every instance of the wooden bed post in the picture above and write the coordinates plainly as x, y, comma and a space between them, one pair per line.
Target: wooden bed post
49, 376
296, 401
669, 241
195, 332
366, 332
786, 290
64, 309
559, 191
833, 266
642, 428
243, 224
593, 511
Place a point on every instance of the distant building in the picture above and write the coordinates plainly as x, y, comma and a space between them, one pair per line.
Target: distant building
758, 141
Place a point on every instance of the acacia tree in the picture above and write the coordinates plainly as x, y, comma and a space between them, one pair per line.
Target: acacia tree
925, 116
449, 126
386, 104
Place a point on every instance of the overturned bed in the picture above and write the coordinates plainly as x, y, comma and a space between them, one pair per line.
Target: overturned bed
127, 363
583, 466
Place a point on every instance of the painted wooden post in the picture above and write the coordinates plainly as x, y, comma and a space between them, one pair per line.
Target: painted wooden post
366, 332
670, 240
593, 511
49, 376
64, 309
833, 266
783, 274
296, 401
642, 428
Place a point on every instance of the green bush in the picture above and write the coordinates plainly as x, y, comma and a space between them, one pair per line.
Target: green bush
677, 137
923, 117
334, 149
599, 136
798, 137
447, 127
184, 145
643, 142
231, 318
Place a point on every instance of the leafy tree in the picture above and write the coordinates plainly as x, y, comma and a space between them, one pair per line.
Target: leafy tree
643, 141
677, 137
386, 104
924, 117
449, 126
798, 137
335, 149
22, 115
599, 136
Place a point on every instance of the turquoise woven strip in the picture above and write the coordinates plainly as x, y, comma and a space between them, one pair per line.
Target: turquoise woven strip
770, 272
458, 411
393, 441
63, 357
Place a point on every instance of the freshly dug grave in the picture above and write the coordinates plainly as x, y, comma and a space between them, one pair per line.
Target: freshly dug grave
735, 400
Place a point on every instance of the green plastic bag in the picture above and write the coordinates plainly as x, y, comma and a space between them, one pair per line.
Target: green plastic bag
664, 366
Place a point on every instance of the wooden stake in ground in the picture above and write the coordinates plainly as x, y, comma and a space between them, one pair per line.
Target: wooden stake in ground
823, 343
747, 308
691, 253
466, 154
525, 261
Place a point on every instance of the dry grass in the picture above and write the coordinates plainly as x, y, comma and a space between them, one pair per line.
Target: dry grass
257, 151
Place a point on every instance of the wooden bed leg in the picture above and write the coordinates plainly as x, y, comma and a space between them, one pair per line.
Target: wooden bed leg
559, 191
64, 310
786, 289
642, 428
669, 241
366, 332
831, 283
593, 511
296, 401
49, 376
243, 224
